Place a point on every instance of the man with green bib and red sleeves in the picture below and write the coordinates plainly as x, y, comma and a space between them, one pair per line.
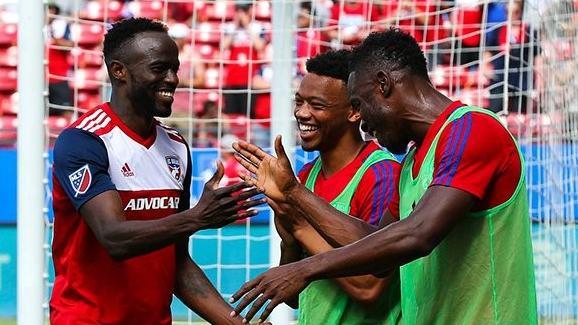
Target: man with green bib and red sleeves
356, 177
463, 240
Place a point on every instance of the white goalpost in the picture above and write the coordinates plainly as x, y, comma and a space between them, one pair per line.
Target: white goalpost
31, 165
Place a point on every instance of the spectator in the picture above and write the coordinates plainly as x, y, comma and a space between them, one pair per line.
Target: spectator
467, 20
308, 38
261, 83
244, 40
519, 69
59, 44
423, 20
188, 57
207, 128
349, 19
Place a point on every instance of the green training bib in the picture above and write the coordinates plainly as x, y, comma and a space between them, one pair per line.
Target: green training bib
482, 272
323, 301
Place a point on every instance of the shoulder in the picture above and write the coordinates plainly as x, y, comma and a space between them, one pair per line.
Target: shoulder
74, 143
305, 170
172, 133
475, 129
95, 121
384, 171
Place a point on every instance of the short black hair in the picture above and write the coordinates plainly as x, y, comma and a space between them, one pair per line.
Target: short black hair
125, 30
390, 50
334, 64
55, 7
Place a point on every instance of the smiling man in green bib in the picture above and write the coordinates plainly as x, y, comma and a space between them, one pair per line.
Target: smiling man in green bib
463, 239
356, 177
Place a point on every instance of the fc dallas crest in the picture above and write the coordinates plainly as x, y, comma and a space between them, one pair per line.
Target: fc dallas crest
174, 166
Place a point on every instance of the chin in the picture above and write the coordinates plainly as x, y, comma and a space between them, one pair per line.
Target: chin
309, 147
164, 112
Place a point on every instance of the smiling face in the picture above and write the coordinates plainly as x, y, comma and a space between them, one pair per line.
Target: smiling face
380, 117
323, 112
152, 63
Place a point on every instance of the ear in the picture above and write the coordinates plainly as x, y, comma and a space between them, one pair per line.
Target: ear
385, 83
354, 115
118, 70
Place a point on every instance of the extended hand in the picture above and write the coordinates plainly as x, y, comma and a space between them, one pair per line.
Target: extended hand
273, 176
220, 206
278, 285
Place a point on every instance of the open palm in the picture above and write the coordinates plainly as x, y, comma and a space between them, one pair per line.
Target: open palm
273, 176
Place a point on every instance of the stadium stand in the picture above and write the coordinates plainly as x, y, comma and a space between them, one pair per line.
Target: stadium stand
467, 73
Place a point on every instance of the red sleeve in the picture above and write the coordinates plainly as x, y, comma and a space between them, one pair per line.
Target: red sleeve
376, 192
335, 13
304, 171
475, 153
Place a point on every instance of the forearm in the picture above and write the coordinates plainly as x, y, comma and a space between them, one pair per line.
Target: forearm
337, 228
196, 292
129, 238
363, 288
381, 251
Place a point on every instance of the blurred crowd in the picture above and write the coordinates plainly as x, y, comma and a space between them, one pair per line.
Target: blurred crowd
226, 53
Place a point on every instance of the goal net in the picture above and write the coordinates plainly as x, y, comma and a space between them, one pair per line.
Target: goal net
517, 58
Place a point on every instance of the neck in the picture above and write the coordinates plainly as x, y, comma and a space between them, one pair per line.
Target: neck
141, 124
422, 105
342, 154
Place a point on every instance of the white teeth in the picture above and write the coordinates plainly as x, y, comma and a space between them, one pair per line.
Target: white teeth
307, 128
166, 93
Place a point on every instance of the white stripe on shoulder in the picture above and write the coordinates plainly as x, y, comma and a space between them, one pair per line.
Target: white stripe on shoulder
94, 122
101, 125
89, 118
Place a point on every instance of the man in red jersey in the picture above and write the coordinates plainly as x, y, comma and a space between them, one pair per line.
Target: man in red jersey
121, 197
356, 177
463, 239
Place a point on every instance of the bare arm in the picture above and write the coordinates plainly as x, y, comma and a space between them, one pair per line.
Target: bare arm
127, 238
196, 291
336, 227
275, 178
290, 252
434, 217
365, 289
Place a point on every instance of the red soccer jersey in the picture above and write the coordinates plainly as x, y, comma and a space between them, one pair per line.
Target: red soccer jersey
375, 192
99, 153
475, 154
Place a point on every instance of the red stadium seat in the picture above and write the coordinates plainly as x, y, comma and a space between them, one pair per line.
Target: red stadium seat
88, 99
88, 58
207, 51
208, 32
262, 10
212, 78
154, 9
9, 79
220, 10
236, 124
8, 35
100, 9
88, 35
8, 103
9, 56
444, 76
475, 97
8, 131
87, 79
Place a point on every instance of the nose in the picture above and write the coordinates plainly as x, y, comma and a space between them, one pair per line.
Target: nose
172, 78
302, 112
